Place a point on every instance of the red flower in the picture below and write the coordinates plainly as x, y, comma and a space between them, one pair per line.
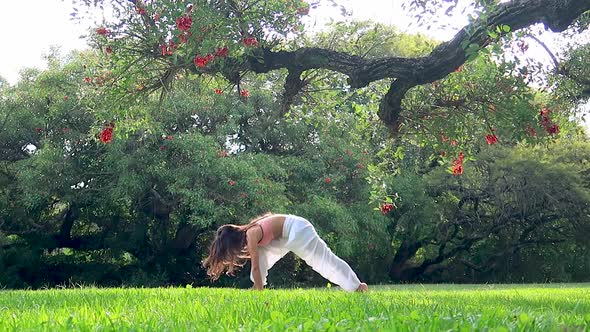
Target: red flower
184, 23
231, 182
328, 180
385, 208
218, 91
459, 69
245, 93
103, 31
140, 10
222, 52
443, 153
454, 143
87, 79
531, 131
303, 10
461, 157
200, 61
170, 137
108, 50
491, 139
360, 166
250, 41
163, 147
106, 136
66, 98
222, 153
166, 50
184, 37
156, 17
458, 164
553, 129
38, 130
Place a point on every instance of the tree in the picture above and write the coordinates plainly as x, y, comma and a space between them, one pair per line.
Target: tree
159, 40
84, 201
509, 201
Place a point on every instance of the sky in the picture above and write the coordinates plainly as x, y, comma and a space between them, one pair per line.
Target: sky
29, 28
26, 38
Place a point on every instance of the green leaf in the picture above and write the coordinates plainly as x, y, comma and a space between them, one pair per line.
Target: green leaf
505, 28
473, 47
399, 153
472, 57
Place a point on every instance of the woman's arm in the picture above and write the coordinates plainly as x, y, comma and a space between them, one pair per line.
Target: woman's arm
253, 236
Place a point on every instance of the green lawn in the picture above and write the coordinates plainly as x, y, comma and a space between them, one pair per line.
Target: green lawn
556, 307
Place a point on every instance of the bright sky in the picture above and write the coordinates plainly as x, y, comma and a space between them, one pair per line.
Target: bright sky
30, 27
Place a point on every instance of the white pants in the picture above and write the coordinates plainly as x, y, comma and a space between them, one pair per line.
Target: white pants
300, 237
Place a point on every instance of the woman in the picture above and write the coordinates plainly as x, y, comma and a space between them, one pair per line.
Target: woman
265, 240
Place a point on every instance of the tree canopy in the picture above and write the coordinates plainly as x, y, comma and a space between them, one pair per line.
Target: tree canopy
151, 42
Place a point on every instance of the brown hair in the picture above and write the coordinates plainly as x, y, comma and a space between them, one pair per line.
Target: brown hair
228, 250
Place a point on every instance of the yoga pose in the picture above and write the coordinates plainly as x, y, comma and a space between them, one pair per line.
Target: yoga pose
265, 240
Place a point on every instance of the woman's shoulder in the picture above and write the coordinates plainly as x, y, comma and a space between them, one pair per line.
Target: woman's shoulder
273, 216
254, 233
280, 215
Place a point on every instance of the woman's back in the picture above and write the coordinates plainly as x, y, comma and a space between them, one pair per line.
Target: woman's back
271, 227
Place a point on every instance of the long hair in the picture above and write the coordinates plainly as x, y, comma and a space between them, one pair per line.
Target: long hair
228, 250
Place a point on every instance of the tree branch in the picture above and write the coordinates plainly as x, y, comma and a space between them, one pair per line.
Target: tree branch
409, 72
544, 46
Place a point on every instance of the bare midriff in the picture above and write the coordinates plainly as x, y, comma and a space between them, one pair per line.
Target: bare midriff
272, 228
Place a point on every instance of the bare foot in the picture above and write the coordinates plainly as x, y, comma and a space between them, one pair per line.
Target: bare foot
362, 287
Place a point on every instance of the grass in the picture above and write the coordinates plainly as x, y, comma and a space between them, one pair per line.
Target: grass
557, 307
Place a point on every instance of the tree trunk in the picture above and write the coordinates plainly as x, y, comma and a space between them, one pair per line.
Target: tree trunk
400, 266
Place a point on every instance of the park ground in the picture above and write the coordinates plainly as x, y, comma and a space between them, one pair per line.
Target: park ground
528, 307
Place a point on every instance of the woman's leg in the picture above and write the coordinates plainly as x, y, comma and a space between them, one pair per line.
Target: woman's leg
314, 251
